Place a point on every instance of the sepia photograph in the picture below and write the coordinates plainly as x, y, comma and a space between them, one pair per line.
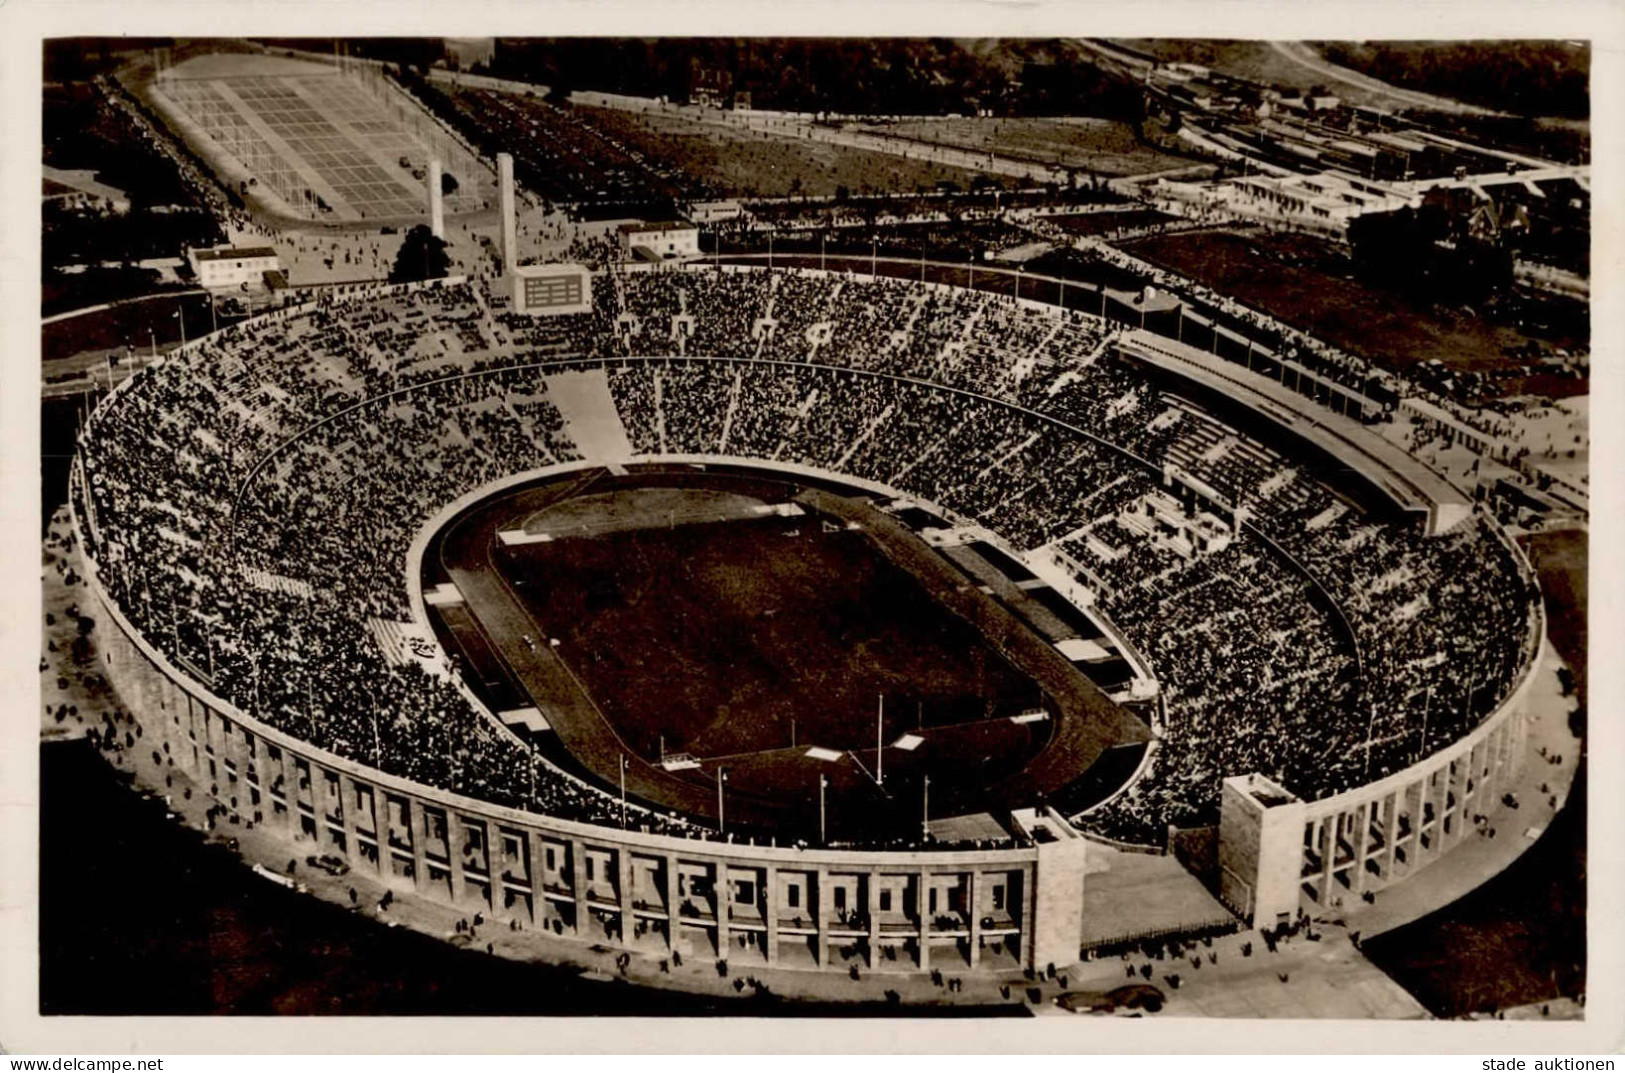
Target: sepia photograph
1084, 529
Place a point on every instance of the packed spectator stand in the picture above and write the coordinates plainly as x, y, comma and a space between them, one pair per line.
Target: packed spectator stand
252, 499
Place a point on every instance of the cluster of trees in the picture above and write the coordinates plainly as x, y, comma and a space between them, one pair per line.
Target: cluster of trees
1424, 254
914, 76
422, 256
82, 130
75, 237
1537, 78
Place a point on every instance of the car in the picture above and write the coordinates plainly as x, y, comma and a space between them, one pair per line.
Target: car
333, 866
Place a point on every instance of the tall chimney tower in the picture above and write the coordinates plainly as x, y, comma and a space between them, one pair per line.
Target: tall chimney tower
437, 208
510, 250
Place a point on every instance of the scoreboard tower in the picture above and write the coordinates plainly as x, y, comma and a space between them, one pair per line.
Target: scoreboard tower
552, 289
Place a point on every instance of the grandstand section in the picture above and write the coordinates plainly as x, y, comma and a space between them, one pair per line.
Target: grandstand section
1368, 671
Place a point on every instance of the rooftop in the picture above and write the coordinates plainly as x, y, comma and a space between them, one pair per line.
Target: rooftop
234, 253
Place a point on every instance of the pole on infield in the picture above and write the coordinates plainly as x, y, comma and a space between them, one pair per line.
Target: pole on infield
925, 809
823, 782
880, 760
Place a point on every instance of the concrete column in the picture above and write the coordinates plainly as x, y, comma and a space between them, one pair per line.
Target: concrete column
1029, 933
1328, 854
533, 875
922, 909
623, 886
1439, 788
973, 909
1362, 835
674, 920
578, 884
872, 900
1389, 833
820, 908
237, 755
418, 821
1416, 796
454, 855
347, 808
290, 787
722, 900
770, 911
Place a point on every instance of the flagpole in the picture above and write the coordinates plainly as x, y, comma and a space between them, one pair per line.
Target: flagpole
880, 757
823, 782
925, 810
623, 791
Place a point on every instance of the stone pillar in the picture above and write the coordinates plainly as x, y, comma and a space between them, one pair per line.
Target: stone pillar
922, 909
623, 885
347, 807
1328, 855
973, 909
1416, 796
533, 875
770, 913
674, 919
1362, 835
872, 888
578, 884
1390, 833
237, 757
723, 895
820, 907
418, 822
454, 855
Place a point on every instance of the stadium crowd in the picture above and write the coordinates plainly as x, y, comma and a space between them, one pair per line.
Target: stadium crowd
250, 501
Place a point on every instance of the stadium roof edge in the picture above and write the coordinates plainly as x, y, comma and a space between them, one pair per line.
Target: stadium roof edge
1406, 482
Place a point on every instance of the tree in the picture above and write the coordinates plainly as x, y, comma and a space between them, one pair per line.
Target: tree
422, 256
448, 183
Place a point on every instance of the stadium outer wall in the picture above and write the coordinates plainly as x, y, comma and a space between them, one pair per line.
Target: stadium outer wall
1276, 851
997, 910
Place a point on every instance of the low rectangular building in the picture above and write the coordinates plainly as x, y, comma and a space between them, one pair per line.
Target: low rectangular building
233, 266
665, 240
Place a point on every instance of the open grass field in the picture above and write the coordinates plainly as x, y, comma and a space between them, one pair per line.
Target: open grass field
1102, 146
1304, 283
756, 631
736, 162
717, 636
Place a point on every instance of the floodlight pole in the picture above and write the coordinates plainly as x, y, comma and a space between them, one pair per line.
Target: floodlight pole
880, 756
623, 791
722, 820
823, 782
925, 809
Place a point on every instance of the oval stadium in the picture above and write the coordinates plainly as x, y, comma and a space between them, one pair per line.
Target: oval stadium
815, 621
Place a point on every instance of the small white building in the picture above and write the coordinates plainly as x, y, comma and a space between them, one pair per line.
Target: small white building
661, 241
233, 266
